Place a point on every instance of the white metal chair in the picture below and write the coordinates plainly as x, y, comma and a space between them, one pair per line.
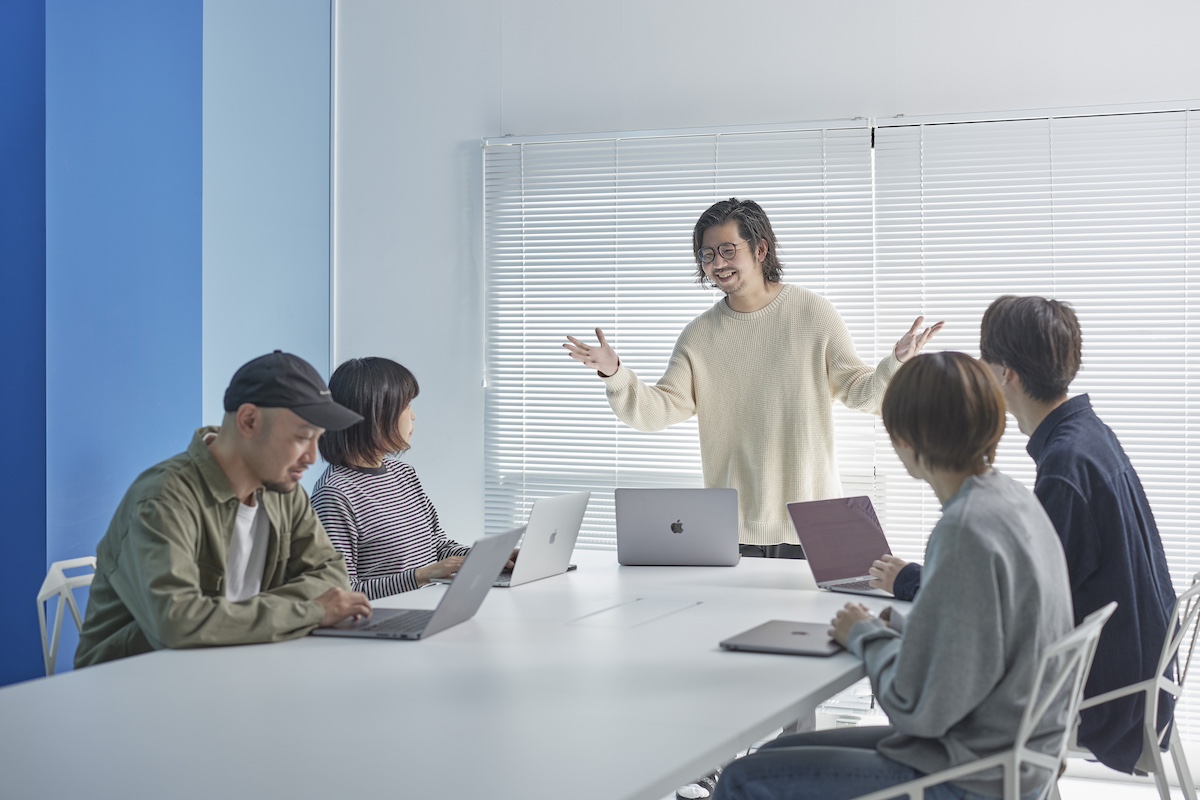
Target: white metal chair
58, 584
1186, 619
1061, 674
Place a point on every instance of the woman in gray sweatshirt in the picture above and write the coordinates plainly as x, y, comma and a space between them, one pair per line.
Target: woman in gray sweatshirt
955, 674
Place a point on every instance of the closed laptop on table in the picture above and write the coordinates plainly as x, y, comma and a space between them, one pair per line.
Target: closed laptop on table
462, 599
841, 538
677, 527
786, 637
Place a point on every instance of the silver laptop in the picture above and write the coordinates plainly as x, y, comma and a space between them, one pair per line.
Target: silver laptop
677, 527
549, 540
841, 539
786, 637
460, 602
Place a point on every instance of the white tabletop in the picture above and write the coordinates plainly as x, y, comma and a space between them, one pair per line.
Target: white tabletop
602, 683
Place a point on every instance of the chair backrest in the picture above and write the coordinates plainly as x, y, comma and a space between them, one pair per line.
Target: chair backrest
1062, 672
59, 584
1185, 620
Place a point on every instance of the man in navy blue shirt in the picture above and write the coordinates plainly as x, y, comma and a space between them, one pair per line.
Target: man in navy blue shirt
1093, 496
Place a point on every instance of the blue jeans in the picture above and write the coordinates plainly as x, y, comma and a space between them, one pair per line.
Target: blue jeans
824, 765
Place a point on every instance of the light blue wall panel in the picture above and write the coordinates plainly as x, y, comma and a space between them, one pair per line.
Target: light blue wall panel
123, 289
266, 186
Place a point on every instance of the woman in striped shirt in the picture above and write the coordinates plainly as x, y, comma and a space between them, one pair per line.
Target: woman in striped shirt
371, 503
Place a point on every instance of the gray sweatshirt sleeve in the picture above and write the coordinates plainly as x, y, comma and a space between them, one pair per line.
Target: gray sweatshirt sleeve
949, 658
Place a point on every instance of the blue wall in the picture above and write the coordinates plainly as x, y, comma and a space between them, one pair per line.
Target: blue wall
23, 330
123, 259
164, 217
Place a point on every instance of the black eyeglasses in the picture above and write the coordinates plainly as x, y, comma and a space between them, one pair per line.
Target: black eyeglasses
708, 254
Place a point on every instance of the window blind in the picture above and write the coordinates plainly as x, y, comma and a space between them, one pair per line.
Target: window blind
890, 221
597, 233
1098, 210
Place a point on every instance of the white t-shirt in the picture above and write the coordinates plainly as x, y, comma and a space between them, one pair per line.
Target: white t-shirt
247, 553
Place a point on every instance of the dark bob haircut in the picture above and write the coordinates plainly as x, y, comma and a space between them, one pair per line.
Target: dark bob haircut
379, 389
948, 407
1039, 339
753, 226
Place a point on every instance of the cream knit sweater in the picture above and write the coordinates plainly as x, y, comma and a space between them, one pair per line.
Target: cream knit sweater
762, 387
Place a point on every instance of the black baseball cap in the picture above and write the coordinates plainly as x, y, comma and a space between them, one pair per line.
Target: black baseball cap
282, 380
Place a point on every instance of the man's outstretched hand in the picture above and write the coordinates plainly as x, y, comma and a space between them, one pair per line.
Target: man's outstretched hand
912, 342
601, 357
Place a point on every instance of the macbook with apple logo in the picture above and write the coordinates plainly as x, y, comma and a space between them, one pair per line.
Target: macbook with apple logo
677, 527
787, 638
548, 541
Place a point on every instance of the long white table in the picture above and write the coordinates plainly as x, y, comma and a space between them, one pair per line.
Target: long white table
602, 683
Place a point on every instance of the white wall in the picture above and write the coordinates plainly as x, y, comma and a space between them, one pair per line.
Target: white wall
418, 85
417, 88
635, 64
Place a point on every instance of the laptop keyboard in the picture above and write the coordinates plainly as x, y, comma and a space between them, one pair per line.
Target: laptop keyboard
413, 620
853, 585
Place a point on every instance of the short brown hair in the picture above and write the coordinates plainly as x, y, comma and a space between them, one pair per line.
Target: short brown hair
1039, 339
753, 226
378, 389
948, 407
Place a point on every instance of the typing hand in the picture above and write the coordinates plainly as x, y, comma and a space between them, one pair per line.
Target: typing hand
846, 619
439, 569
884, 571
340, 604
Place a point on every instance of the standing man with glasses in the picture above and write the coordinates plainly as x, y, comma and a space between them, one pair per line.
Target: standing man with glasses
760, 370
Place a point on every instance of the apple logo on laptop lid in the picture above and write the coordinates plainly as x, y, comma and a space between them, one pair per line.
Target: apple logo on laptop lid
677, 526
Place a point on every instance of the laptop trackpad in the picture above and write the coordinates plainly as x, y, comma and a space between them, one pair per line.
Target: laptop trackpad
634, 612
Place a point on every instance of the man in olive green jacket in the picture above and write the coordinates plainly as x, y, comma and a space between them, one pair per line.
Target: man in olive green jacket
219, 545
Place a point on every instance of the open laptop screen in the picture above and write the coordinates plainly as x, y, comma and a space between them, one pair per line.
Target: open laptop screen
841, 537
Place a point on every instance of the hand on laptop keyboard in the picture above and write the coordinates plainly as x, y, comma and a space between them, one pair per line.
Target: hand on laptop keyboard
438, 569
884, 572
340, 604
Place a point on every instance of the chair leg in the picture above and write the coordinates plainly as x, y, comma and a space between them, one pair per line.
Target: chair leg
45, 638
50, 651
1151, 753
1160, 782
1181, 765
